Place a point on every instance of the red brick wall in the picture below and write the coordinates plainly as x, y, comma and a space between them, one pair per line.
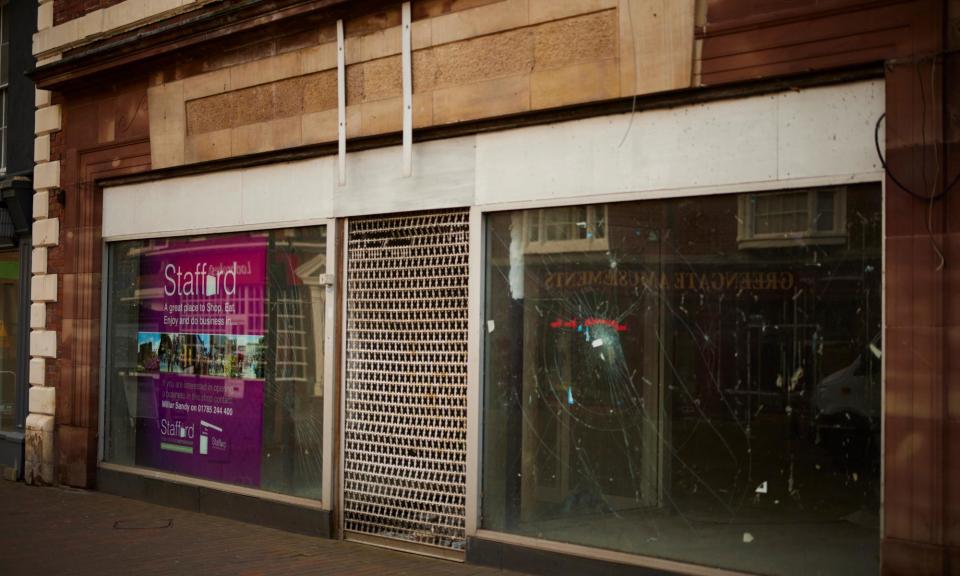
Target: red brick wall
64, 10
106, 133
762, 38
791, 37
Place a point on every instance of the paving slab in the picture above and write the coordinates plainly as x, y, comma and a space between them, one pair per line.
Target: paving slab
78, 532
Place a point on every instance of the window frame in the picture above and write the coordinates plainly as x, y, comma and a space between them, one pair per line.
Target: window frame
541, 245
747, 237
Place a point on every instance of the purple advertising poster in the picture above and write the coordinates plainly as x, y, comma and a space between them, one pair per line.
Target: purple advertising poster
201, 357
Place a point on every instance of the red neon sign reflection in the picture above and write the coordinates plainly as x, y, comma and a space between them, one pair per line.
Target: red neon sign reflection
559, 323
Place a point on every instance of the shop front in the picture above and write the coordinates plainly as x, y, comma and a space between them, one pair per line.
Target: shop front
15, 250
589, 340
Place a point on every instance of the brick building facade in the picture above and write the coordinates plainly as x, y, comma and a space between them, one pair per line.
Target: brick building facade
160, 120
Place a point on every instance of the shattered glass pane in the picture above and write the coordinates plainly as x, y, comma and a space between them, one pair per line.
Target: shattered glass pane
678, 393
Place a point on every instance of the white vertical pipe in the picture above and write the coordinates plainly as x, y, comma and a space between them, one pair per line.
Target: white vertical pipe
341, 106
407, 64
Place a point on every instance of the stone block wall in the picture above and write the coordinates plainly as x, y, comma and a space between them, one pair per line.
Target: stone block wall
470, 60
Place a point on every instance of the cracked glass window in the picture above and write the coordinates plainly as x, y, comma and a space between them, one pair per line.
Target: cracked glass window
215, 357
703, 385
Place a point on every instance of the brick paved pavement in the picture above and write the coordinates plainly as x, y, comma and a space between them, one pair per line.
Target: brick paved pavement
57, 531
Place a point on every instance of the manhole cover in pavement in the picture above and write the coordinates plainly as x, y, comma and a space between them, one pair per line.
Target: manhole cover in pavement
143, 524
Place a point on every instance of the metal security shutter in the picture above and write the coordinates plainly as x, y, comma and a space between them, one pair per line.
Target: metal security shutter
405, 425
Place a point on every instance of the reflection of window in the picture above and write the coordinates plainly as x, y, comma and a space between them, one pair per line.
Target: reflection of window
566, 229
771, 219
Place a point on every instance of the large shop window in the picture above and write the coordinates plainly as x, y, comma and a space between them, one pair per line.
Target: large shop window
705, 388
215, 357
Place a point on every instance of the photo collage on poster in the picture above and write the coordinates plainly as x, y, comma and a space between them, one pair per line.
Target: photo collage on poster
227, 355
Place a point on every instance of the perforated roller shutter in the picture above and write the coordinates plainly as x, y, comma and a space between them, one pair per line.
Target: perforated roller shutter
406, 379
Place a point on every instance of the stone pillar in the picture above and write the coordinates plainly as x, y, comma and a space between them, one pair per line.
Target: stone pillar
40, 454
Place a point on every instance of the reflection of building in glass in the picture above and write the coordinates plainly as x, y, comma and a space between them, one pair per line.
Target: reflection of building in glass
780, 218
650, 388
291, 359
570, 228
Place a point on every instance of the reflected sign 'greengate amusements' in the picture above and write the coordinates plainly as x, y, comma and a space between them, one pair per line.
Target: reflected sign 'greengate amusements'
201, 357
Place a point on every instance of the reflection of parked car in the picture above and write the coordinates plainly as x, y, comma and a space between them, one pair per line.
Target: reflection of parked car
847, 404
